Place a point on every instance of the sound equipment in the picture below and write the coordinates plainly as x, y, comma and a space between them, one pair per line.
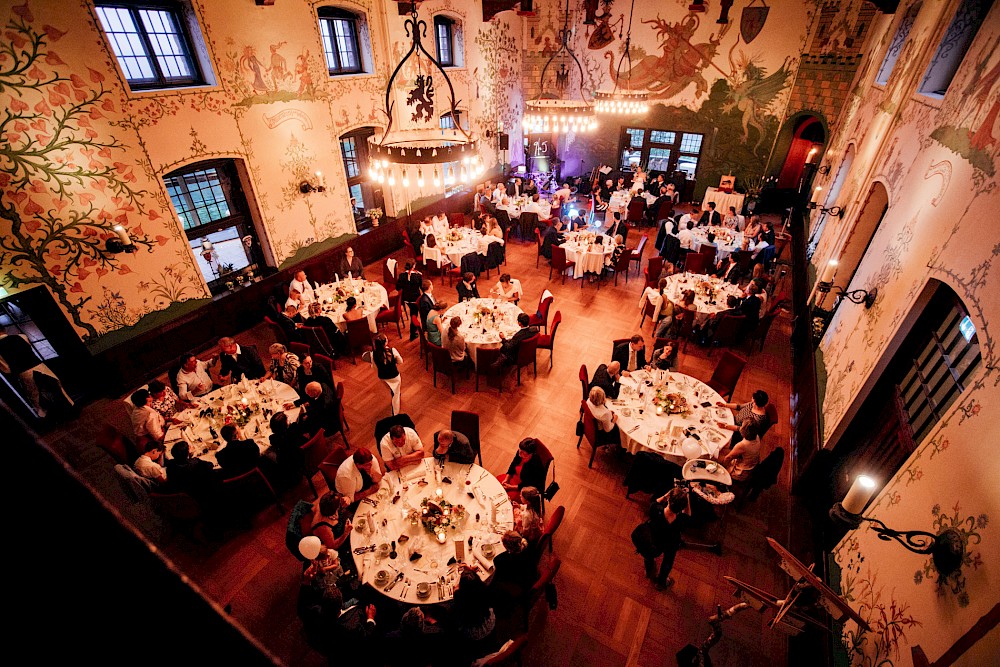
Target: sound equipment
504, 141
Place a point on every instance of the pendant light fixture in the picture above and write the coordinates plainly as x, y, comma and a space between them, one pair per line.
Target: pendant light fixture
623, 101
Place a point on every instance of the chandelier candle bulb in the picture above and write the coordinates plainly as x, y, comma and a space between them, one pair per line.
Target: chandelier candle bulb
860, 493
122, 235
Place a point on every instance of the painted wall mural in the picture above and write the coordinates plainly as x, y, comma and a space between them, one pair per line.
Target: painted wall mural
940, 167
80, 152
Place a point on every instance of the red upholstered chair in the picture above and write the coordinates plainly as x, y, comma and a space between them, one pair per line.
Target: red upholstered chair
636, 254
537, 591
636, 209
727, 331
538, 242
696, 262
527, 355
245, 494
276, 330
314, 452
316, 339
759, 334
456, 220
654, 267
301, 350
772, 418
711, 251
393, 314
622, 266
589, 432
511, 653
551, 526
359, 336
560, 263
584, 381
467, 423
485, 359
648, 310
541, 317
547, 341
441, 358
326, 366
727, 374
329, 466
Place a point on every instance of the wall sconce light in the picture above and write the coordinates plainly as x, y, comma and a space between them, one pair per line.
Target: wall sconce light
946, 549
305, 187
859, 296
121, 244
833, 210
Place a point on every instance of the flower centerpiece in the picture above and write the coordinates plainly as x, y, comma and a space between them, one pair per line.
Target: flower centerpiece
484, 314
438, 516
671, 403
374, 214
454, 235
241, 411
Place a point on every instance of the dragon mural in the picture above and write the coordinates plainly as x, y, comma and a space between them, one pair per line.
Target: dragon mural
680, 64
752, 94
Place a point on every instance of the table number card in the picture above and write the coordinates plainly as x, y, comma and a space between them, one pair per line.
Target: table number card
460, 551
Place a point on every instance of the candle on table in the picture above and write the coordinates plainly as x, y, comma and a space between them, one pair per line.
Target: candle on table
441, 537
861, 492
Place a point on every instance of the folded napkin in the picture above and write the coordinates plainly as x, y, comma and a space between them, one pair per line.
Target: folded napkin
415, 472
483, 561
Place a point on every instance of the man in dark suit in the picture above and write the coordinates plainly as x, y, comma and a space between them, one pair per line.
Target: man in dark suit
467, 289
239, 362
240, 454
515, 188
653, 210
322, 409
426, 302
631, 356
609, 378
729, 270
710, 217
188, 474
510, 346
552, 236
289, 321
618, 226
750, 308
330, 627
408, 283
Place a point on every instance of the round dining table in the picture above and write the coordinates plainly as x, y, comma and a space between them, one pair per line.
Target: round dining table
727, 241
371, 298
390, 534
589, 257
483, 320
646, 427
705, 307
247, 401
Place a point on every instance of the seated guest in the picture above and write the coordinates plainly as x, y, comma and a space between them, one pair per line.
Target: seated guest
516, 188
607, 421
665, 358
691, 217
745, 454
434, 324
620, 185
750, 307
454, 342
332, 629
306, 373
148, 424
188, 474
526, 469
631, 355
240, 454
337, 338
653, 210
531, 189
619, 249
729, 270
149, 464
418, 641
301, 285
453, 447
426, 302
163, 399
709, 241
401, 447
507, 289
492, 228
350, 265
330, 520
767, 233
284, 364
472, 618
289, 320
286, 442
322, 409
510, 346
732, 220
528, 514
655, 296
239, 362
753, 228
755, 410
603, 196
352, 312
673, 327
193, 378
552, 236
295, 299
359, 476
618, 227
498, 193
467, 289
516, 569
710, 216
609, 378
535, 206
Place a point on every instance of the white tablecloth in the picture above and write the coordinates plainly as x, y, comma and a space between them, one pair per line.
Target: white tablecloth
480, 330
678, 283
589, 258
482, 525
269, 395
727, 241
371, 298
618, 203
664, 433
723, 200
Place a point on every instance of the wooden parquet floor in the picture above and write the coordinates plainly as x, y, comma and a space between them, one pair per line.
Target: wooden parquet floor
608, 613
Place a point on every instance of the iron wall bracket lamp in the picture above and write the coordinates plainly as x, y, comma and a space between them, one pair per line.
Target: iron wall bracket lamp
857, 296
833, 210
946, 549
115, 246
825, 169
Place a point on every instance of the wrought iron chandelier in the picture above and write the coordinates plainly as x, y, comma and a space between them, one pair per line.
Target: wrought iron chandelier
555, 115
412, 157
629, 102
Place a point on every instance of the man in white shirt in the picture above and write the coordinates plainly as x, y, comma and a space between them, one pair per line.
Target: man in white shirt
564, 192
294, 299
301, 285
193, 378
535, 206
149, 425
359, 476
401, 447
689, 217
686, 236
498, 193
148, 465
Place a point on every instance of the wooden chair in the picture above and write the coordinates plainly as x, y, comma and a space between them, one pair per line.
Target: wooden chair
538, 243
276, 330
547, 341
537, 591
589, 432
772, 418
485, 360
555, 520
180, 509
540, 318
326, 366
654, 267
711, 251
116, 445
725, 334
560, 263
301, 350
759, 334
727, 374
247, 493
393, 314
636, 254
467, 423
696, 262
441, 360
636, 210
622, 266
314, 452
359, 336
527, 355
328, 467
648, 310
456, 220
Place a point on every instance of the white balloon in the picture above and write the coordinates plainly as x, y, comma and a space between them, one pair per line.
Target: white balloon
309, 547
691, 448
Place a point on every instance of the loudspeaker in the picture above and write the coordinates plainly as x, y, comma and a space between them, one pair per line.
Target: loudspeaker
504, 141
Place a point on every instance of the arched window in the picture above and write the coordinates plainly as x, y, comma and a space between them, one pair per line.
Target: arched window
896, 46
449, 41
346, 44
364, 198
954, 45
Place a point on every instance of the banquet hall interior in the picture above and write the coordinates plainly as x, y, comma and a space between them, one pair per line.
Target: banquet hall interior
265, 258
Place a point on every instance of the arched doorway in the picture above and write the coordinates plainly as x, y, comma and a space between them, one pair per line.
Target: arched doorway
808, 137
872, 212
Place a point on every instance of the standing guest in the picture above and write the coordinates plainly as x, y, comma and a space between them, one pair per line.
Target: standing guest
239, 362
732, 220
295, 299
350, 266
148, 424
710, 216
163, 399
18, 358
149, 464
401, 447
408, 283
526, 469
193, 378
609, 378
508, 289
563, 193
607, 421
386, 361
661, 534
337, 338
528, 514
426, 303
240, 454
284, 364
352, 312
552, 236
302, 285
631, 355
510, 346
358, 477
467, 289
453, 447
454, 342
434, 326
745, 454
755, 410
